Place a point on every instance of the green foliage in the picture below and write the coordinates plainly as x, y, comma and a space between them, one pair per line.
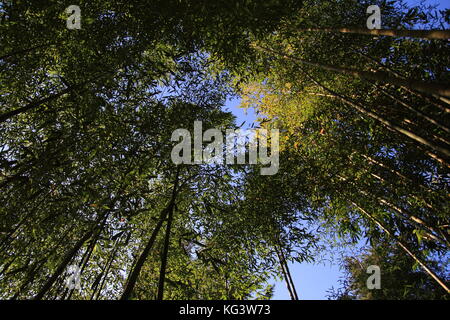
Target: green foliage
86, 118
400, 278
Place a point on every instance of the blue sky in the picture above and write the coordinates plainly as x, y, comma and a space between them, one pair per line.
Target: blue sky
312, 281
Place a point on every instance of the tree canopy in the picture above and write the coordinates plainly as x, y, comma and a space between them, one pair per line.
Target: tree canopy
87, 179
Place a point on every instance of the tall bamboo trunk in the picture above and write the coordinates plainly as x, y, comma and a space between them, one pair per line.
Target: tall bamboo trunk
85, 259
430, 88
62, 266
405, 248
33, 105
423, 34
134, 274
389, 124
286, 273
162, 271
23, 51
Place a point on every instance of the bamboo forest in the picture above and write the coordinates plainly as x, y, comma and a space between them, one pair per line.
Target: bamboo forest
126, 175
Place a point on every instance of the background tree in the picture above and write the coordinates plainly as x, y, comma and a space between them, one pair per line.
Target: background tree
401, 278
